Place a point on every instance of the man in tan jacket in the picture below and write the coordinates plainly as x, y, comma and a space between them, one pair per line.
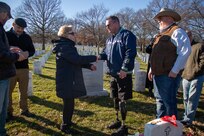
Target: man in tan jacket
193, 78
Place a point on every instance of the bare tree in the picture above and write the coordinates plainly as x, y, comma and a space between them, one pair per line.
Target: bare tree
44, 17
145, 28
91, 25
191, 11
195, 18
127, 18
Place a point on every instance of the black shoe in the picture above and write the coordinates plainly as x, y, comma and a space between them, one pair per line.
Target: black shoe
9, 117
186, 123
114, 125
67, 129
72, 124
122, 131
151, 95
27, 113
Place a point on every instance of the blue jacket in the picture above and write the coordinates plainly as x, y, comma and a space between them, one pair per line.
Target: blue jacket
120, 52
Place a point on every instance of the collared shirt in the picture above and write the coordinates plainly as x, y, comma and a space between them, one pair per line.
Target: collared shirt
180, 39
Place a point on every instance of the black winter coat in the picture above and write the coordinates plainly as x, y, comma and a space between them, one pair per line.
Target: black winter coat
7, 58
148, 83
69, 77
24, 42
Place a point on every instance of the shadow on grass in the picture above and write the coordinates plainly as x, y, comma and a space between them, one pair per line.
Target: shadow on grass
50, 62
201, 104
50, 104
81, 131
104, 101
49, 68
38, 127
47, 77
84, 131
136, 106
179, 100
132, 105
197, 129
45, 120
57, 106
145, 93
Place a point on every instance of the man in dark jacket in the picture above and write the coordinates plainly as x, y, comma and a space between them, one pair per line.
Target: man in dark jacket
149, 83
120, 53
7, 69
193, 78
18, 38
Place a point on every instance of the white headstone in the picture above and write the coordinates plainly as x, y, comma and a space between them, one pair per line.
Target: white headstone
37, 68
147, 58
137, 67
42, 59
158, 127
105, 67
94, 80
140, 78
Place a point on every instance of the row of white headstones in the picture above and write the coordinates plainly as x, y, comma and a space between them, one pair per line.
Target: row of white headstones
93, 79
37, 67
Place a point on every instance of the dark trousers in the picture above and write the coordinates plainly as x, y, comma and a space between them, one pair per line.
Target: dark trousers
68, 109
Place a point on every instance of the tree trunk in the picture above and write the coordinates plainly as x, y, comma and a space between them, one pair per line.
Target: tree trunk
43, 41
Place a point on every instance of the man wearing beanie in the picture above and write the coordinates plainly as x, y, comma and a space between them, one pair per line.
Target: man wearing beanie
18, 38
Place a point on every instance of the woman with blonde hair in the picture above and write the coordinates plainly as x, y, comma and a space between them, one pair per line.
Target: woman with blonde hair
69, 77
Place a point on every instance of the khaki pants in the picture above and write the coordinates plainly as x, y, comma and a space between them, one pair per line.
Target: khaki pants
22, 77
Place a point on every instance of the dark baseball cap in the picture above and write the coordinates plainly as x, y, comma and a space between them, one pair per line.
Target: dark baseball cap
5, 8
20, 22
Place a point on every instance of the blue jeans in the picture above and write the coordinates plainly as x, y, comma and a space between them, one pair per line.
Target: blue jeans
191, 94
165, 89
3, 105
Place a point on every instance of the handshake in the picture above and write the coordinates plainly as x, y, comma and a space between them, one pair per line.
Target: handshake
22, 54
93, 67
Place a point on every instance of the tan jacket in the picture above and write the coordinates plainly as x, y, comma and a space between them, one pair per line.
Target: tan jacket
195, 63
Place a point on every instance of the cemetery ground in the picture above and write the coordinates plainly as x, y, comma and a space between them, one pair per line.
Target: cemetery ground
92, 114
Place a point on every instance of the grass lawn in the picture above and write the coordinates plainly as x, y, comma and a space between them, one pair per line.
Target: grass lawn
92, 114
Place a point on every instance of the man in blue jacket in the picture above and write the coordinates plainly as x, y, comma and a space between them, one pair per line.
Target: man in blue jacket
119, 52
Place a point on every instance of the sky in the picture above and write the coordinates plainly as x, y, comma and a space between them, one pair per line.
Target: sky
72, 7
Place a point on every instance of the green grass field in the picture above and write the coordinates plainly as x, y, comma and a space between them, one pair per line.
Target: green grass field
92, 114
